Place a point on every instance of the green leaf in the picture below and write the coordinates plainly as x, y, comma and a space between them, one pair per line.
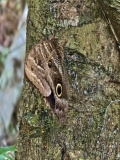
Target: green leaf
7, 153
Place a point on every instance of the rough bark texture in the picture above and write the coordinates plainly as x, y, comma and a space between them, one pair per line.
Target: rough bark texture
92, 127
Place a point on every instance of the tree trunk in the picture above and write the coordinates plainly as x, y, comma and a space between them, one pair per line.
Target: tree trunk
92, 60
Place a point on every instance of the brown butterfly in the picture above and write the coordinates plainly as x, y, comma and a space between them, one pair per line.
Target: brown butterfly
44, 67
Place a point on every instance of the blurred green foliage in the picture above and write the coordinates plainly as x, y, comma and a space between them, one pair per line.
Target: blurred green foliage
7, 153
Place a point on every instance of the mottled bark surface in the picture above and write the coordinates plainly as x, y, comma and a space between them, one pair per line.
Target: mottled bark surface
92, 58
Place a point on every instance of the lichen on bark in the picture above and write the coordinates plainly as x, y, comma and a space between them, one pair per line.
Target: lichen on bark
92, 60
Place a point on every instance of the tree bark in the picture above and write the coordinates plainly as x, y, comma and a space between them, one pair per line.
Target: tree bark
92, 59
